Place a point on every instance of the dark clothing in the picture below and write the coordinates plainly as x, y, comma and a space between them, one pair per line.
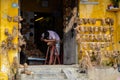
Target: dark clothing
23, 57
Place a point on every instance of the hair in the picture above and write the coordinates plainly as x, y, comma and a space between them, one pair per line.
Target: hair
46, 35
31, 34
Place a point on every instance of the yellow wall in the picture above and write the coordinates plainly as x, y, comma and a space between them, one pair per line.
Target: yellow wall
7, 10
99, 11
118, 30
0, 24
3, 76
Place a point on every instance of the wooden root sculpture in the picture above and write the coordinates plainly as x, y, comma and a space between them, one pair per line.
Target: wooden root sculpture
103, 22
78, 38
14, 31
10, 38
15, 65
77, 29
85, 20
19, 26
17, 18
93, 21
6, 32
79, 21
85, 62
9, 18
72, 20
98, 58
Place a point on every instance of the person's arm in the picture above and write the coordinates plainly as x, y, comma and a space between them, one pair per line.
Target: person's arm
42, 37
52, 40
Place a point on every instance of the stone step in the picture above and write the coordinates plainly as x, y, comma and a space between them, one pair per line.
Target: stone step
53, 73
47, 71
44, 74
43, 77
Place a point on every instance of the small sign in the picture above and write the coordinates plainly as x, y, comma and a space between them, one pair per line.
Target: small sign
15, 5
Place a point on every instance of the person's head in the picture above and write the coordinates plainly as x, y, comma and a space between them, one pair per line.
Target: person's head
46, 35
31, 34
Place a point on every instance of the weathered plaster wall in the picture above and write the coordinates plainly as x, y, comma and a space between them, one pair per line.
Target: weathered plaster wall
7, 8
99, 11
0, 24
118, 29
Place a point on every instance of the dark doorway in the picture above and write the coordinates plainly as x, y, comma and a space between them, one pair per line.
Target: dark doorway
41, 15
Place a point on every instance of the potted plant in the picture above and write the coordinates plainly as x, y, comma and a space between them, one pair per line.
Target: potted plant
115, 3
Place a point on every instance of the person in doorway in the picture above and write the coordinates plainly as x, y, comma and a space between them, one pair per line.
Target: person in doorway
52, 38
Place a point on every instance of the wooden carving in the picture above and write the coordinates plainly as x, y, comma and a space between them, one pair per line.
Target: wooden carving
6, 32
9, 18
17, 18
72, 20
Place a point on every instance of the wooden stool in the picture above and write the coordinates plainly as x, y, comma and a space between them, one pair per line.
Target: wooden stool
53, 52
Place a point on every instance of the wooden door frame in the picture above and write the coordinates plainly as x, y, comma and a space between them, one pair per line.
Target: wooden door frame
74, 41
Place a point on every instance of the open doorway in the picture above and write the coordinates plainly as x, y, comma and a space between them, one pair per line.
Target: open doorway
41, 15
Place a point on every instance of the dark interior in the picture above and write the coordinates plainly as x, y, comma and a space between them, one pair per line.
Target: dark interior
38, 16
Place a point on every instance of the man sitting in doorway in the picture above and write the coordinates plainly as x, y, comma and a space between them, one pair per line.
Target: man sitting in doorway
51, 38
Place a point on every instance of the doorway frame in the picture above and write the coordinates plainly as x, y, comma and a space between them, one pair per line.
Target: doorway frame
76, 51
76, 4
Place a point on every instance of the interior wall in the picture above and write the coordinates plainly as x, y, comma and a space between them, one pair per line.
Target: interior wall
28, 22
54, 9
35, 5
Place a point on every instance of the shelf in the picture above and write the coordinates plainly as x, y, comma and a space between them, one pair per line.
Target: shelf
113, 10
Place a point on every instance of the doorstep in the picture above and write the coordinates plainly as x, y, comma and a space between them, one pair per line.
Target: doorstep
52, 72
